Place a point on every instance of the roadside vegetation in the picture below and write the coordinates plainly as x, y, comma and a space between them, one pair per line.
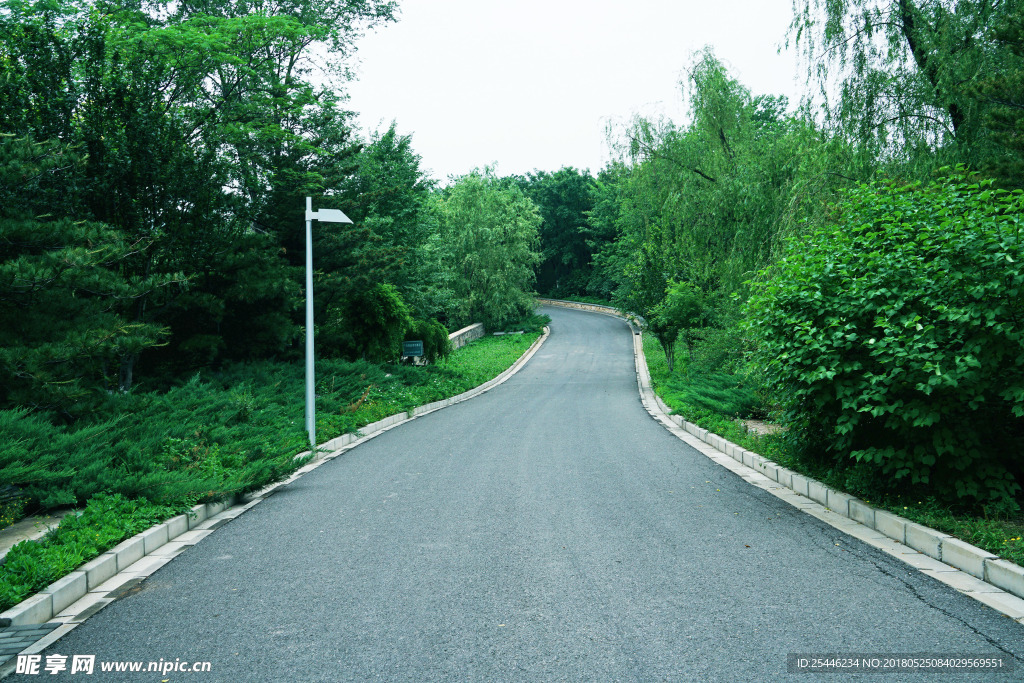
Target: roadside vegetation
725, 403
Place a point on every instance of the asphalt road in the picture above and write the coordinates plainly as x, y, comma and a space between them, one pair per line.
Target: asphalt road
549, 529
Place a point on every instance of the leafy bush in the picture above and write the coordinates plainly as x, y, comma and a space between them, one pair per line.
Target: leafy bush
893, 338
434, 336
372, 325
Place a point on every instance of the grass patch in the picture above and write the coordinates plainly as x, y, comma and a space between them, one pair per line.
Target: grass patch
710, 401
713, 401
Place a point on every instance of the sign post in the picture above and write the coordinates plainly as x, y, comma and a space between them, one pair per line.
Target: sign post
412, 348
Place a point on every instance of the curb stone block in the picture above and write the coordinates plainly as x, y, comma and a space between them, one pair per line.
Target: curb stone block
154, 538
67, 591
964, 556
99, 569
838, 501
924, 540
785, 476
176, 526
129, 552
817, 492
197, 516
863, 513
800, 484
891, 525
1006, 575
34, 610
769, 470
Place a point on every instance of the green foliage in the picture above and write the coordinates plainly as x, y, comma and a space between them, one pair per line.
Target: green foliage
711, 401
434, 335
564, 199
64, 304
489, 241
390, 194
893, 337
105, 521
1003, 91
677, 314
375, 323
895, 77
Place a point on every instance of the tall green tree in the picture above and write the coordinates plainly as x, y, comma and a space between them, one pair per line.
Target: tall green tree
489, 232
65, 305
706, 203
1003, 91
564, 199
390, 193
895, 76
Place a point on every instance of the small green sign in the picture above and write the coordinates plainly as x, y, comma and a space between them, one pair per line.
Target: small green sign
412, 348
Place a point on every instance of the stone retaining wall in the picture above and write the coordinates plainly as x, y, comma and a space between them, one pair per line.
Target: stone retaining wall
460, 338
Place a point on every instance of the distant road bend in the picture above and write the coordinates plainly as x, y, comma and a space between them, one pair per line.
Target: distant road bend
548, 530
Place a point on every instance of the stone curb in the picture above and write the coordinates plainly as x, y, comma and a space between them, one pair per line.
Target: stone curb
130, 555
972, 560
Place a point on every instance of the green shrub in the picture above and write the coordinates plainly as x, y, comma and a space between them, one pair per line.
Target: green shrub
893, 338
434, 336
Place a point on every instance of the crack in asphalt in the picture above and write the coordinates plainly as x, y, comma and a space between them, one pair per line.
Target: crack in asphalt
917, 594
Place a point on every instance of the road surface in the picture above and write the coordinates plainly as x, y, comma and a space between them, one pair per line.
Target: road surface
549, 529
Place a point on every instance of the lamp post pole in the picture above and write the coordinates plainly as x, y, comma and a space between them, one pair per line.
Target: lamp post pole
324, 216
310, 381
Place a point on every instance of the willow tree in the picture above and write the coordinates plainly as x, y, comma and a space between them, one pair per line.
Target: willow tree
489, 232
1004, 92
896, 76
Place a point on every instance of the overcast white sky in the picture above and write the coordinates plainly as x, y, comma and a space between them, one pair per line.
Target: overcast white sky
532, 84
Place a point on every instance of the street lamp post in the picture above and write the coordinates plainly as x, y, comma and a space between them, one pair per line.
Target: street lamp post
324, 216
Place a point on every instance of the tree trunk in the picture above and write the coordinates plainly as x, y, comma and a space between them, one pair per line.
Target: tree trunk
124, 374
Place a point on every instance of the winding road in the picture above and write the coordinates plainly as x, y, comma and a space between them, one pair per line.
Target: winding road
547, 530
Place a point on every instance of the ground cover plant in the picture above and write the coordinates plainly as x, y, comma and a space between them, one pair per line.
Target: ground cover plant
108, 519
715, 401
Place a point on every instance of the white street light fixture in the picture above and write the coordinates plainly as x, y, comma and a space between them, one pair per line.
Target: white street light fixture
324, 216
